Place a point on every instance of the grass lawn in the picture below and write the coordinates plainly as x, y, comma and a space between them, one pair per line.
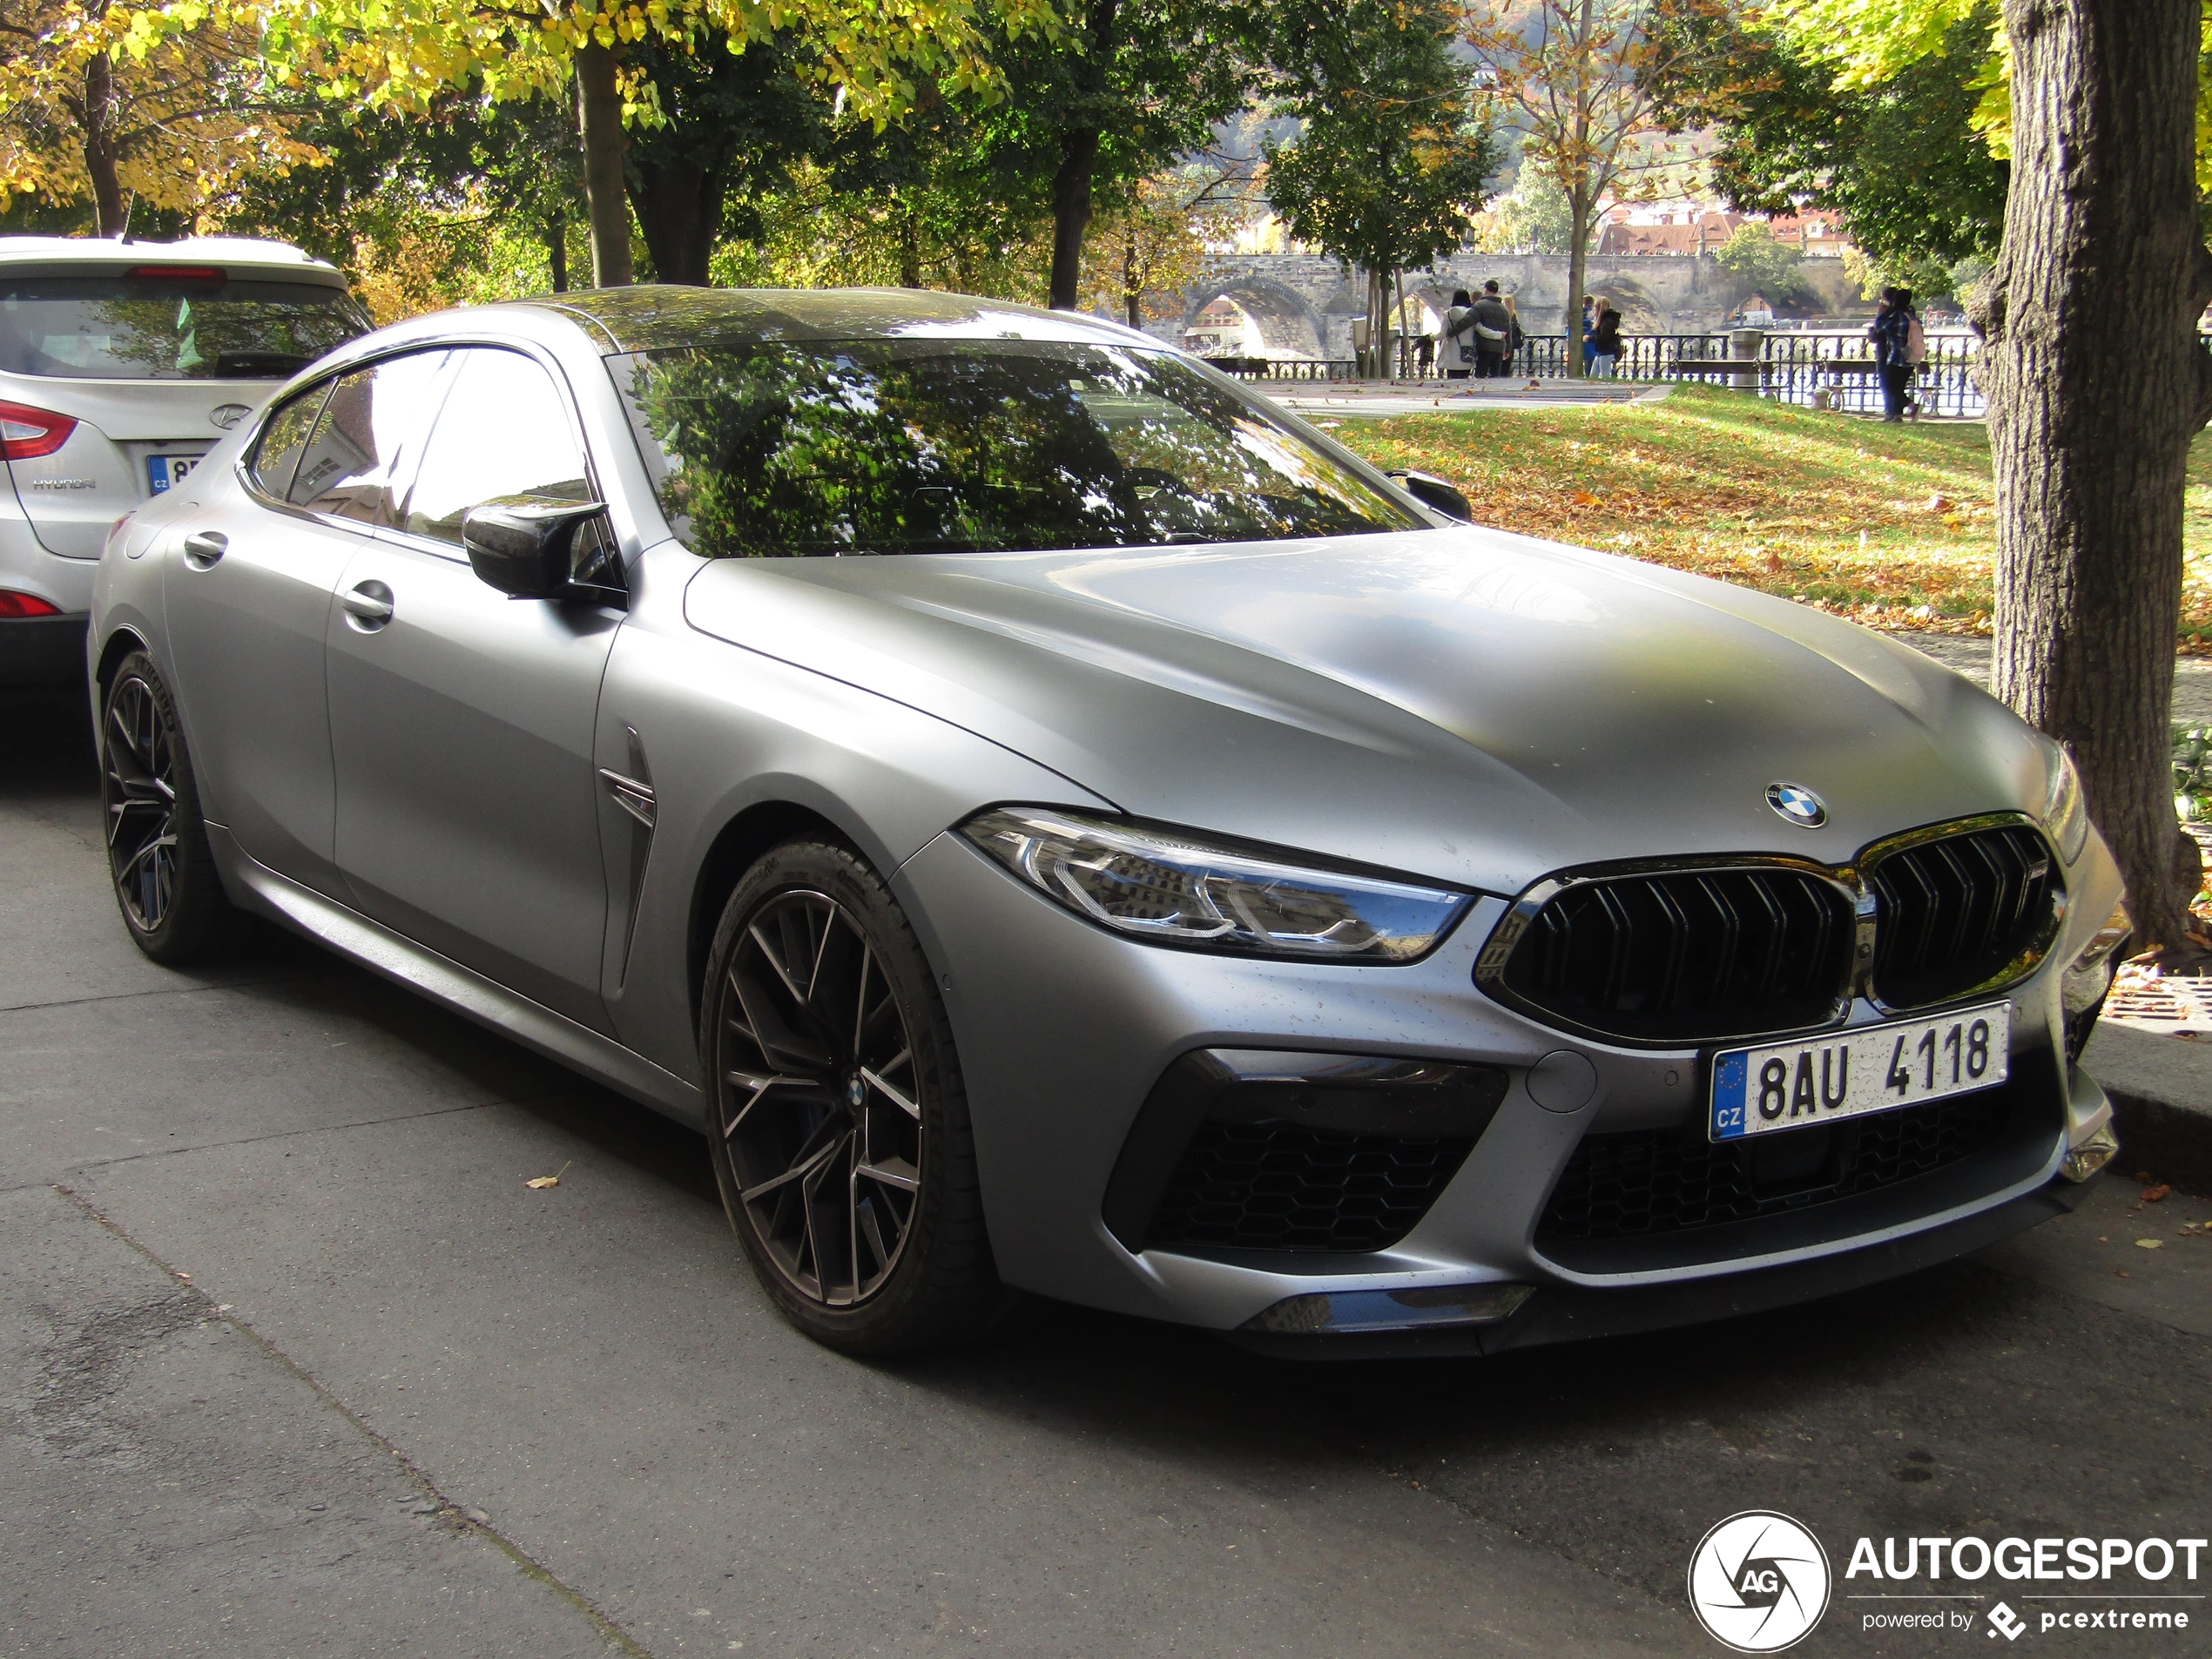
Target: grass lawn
1890, 525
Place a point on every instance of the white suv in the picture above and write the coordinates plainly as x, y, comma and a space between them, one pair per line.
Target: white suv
122, 363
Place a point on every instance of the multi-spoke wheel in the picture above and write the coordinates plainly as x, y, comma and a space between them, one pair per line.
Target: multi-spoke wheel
173, 900
839, 1129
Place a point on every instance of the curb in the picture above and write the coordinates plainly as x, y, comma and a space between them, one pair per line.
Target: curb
2161, 1089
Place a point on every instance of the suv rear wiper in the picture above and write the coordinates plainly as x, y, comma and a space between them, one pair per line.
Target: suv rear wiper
258, 365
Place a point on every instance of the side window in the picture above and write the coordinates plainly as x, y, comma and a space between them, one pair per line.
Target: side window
276, 452
371, 430
503, 431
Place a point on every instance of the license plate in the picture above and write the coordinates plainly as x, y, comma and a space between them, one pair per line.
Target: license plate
1875, 1069
165, 470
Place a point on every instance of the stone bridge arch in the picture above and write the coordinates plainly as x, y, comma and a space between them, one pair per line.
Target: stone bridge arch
1288, 324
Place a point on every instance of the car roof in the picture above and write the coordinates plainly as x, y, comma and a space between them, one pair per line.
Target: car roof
651, 317
57, 255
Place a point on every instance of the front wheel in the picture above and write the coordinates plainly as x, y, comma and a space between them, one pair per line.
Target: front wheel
165, 881
838, 1126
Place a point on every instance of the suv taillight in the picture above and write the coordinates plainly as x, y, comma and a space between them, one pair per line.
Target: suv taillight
26, 432
14, 607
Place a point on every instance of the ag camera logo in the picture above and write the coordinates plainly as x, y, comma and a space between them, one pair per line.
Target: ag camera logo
1759, 1582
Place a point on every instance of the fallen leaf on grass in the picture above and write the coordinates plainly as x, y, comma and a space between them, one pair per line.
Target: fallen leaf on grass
2148, 1243
539, 1184
2152, 1195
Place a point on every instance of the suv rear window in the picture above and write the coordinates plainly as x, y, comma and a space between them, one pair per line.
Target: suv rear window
164, 326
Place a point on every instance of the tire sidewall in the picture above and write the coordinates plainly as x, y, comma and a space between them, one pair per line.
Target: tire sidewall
198, 910
896, 1317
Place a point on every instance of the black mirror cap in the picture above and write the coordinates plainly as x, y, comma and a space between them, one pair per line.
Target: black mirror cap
1440, 493
525, 545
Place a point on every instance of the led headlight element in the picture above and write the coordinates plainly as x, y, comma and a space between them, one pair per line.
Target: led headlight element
1168, 888
2066, 812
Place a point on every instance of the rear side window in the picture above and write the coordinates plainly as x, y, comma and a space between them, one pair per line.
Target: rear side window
276, 452
369, 435
154, 324
503, 431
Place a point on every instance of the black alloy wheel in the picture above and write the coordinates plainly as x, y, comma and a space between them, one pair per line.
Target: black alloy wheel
165, 881
839, 1129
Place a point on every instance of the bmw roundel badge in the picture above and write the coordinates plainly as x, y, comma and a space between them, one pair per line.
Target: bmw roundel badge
1798, 804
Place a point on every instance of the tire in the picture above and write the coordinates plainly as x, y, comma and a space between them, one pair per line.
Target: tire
163, 871
837, 1121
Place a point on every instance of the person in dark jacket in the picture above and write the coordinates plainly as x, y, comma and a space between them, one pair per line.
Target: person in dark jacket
1493, 332
1892, 331
1457, 347
1605, 359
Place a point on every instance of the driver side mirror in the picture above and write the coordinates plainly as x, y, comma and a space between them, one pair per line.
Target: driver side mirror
525, 545
1439, 493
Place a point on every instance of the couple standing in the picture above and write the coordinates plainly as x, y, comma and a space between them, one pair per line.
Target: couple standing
1485, 332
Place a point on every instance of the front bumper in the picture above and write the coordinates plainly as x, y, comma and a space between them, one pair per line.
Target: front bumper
1064, 1030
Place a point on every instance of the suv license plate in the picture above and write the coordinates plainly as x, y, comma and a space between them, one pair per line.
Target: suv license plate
165, 470
1875, 1069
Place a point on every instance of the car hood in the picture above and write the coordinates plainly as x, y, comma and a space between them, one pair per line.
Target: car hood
1466, 704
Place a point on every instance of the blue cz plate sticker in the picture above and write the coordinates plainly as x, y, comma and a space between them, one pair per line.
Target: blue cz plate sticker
1849, 1073
165, 470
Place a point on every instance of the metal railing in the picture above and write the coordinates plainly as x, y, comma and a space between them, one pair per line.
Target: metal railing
1792, 366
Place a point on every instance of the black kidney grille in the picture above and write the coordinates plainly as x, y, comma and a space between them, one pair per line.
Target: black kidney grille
1277, 1186
1645, 1182
1680, 957
1955, 915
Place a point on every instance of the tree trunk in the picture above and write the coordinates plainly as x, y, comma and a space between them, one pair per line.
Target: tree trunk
1132, 277
1579, 208
679, 212
2096, 385
108, 206
909, 247
556, 252
1070, 216
606, 201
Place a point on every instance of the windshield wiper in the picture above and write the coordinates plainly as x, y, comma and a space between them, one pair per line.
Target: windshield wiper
258, 365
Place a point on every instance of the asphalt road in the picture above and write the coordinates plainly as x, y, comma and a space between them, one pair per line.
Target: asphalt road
293, 1363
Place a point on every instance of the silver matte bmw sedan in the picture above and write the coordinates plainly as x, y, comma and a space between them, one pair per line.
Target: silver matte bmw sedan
1054, 823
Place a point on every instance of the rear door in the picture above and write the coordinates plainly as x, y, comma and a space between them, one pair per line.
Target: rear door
248, 595
463, 720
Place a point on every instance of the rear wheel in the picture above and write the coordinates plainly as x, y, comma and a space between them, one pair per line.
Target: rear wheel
839, 1126
165, 881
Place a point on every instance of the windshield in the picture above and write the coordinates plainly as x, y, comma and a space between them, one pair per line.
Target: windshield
167, 326
964, 446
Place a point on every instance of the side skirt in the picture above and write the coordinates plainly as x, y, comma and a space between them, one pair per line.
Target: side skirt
257, 887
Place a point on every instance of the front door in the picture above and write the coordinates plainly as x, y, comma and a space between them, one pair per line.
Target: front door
462, 721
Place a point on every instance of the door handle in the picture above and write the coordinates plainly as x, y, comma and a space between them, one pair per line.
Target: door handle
368, 606
203, 547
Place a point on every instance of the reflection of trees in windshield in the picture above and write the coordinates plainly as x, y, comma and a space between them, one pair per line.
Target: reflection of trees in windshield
118, 329
969, 446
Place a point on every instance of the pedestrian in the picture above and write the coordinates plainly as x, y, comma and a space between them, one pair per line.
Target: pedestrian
1589, 326
1493, 332
1515, 339
1425, 355
1460, 358
1606, 337
1900, 345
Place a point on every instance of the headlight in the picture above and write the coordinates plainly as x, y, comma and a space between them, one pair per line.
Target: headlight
1168, 888
2066, 813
